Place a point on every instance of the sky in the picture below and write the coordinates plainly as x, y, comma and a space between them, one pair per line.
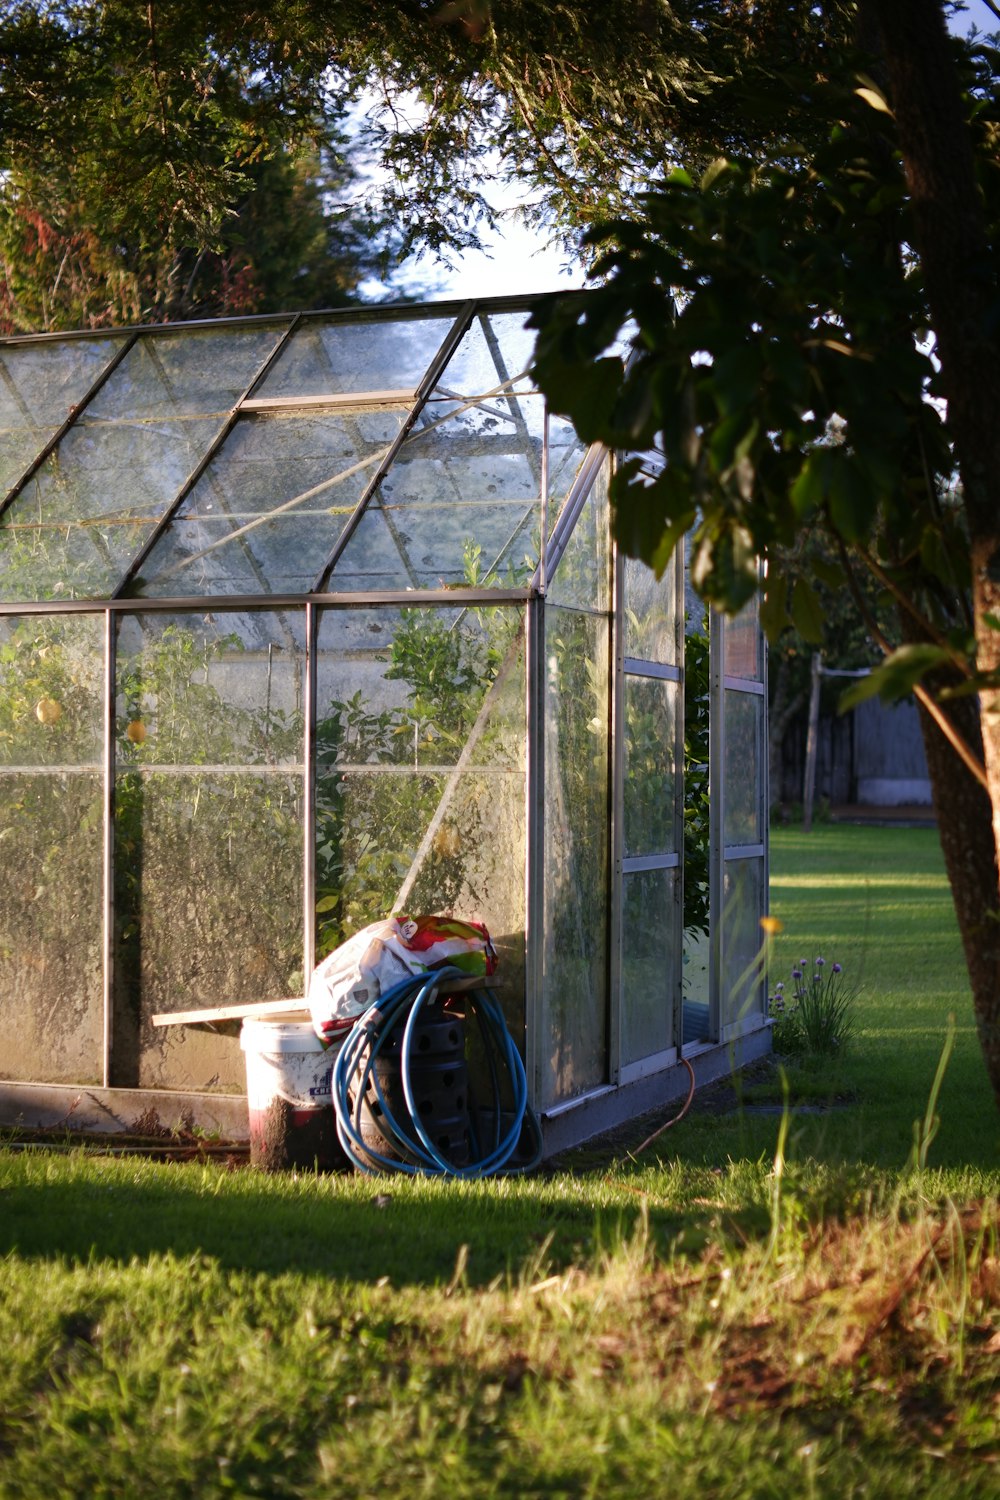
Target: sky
979, 15
519, 261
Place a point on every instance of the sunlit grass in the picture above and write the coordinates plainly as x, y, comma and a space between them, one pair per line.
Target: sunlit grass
695, 1323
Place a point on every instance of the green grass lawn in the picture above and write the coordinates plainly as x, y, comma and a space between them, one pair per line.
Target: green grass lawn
877, 900
691, 1324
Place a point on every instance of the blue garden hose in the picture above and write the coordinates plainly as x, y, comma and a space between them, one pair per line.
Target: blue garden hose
355, 1067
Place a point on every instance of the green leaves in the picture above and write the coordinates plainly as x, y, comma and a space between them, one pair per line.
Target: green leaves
831, 479
724, 565
782, 369
898, 674
807, 612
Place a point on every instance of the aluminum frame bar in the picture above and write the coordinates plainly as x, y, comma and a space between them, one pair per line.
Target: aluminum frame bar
580, 489
108, 842
309, 798
383, 312
534, 873
231, 603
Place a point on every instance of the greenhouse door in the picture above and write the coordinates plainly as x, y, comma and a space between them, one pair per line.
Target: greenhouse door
738, 848
648, 884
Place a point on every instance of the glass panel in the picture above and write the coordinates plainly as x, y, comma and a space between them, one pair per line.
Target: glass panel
267, 512
460, 505
740, 990
420, 784
496, 351
647, 963
651, 615
582, 576
743, 714
574, 1038
650, 770
51, 850
566, 454
344, 358
39, 385
744, 642
94, 502
697, 814
208, 826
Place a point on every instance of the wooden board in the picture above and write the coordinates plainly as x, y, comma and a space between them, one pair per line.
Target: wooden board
226, 1019
231, 1012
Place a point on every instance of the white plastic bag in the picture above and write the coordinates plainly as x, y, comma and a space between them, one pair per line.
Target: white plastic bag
353, 976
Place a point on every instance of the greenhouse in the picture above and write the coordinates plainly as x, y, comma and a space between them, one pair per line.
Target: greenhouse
309, 620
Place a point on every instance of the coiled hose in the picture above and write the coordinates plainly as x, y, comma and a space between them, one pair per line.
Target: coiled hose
355, 1068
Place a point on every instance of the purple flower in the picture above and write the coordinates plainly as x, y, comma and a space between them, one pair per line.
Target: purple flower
820, 962
837, 969
779, 986
803, 962
796, 973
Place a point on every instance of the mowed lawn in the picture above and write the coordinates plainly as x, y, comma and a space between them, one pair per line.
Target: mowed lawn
762, 1304
877, 901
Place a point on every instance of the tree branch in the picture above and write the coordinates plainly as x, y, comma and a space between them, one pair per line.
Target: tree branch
917, 615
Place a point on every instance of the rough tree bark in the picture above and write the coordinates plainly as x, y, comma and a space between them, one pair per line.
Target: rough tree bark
952, 241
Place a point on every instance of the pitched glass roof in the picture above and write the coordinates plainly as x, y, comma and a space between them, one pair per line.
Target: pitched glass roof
390, 449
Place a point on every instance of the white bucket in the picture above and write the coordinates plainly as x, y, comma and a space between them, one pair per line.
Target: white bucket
289, 1073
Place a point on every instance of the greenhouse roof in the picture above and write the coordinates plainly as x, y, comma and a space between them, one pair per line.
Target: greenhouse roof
371, 450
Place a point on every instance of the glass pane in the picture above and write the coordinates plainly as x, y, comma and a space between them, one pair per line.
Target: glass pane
460, 505
86, 513
208, 828
744, 642
267, 512
51, 850
651, 613
51, 690
648, 965
582, 576
741, 992
39, 385
743, 712
566, 454
650, 769
346, 358
497, 351
574, 1005
420, 787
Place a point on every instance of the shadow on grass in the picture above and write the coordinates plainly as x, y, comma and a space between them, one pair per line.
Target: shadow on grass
332, 1228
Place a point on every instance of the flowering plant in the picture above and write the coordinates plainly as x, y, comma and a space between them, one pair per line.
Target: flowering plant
816, 1015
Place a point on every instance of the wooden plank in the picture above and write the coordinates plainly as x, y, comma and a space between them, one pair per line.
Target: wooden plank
395, 397
230, 1012
213, 1017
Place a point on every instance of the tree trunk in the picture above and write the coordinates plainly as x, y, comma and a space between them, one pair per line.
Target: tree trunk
785, 705
959, 273
963, 811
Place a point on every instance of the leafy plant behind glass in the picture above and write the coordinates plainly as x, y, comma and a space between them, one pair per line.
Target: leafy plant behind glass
696, 801
368, 828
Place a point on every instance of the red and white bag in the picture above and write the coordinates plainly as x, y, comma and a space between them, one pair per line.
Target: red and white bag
353, 976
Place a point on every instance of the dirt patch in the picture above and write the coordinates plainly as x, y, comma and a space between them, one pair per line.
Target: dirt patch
162, 1144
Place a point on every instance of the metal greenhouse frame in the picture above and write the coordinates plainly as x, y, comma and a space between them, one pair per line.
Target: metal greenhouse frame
307, 619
